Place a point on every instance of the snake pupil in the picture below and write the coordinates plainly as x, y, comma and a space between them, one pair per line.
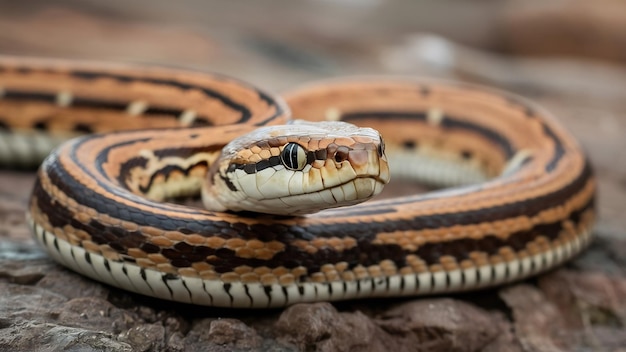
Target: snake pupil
293, 156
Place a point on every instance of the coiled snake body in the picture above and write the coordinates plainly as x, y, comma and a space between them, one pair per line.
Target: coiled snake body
522, 201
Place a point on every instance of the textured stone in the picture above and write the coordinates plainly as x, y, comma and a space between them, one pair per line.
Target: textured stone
537, 322
72, 285
320, 327
31, 336
94, 313
145, 337
442, 325
233, 332
586, 298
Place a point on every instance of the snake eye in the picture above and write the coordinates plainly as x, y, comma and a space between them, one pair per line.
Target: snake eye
293, 156
381, 147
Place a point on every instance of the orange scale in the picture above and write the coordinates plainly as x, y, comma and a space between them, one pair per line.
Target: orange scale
209, 275
174, 236
202, 266
286, 280
194, 239
215, 242
249, 278
167, 268
275, 246
230, 277
245, 253
268, 279
145, 263
255, 244
262, 270
161, 241
280, 271
318, 277
263, 254
158, 258
136, 253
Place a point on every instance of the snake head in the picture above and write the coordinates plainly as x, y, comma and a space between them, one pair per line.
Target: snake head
298, 169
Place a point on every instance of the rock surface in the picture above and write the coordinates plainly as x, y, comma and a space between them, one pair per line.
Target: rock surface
579, 307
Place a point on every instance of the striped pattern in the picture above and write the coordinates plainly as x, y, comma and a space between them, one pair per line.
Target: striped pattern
523, 204
242, 295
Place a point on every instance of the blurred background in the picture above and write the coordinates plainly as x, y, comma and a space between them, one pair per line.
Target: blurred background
569, 55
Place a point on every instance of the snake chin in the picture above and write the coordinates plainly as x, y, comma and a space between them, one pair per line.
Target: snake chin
355, 191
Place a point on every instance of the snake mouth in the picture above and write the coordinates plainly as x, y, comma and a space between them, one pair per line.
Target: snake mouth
377, 178
354, 191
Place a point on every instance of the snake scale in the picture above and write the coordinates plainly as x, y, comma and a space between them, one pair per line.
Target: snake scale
513, 192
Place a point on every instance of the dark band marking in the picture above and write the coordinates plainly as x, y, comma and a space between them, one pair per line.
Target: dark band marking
227, 287
207, 292
227, 181
79, 102
247, 292
188, 290
272, 161
185, 152
255, 167
559, 150
245, 113
124, 78
268, 294
40, 125
284, 289
448, 122
167, 277
166, 171
83, 128
409, 144
29, 96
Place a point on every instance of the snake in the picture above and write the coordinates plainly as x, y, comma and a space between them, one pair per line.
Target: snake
509, 192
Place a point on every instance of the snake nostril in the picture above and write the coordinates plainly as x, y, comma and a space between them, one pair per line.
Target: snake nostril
381, 148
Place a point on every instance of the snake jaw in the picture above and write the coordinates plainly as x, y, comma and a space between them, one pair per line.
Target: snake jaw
298, 169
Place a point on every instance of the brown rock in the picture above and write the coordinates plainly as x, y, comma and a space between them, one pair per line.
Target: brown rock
176, 343
21, 270
72, 285
94, 314
586, 298
320, 327
537, 322
31, 336
222, 335
442, 325
233, 332
18, 302
145, 337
